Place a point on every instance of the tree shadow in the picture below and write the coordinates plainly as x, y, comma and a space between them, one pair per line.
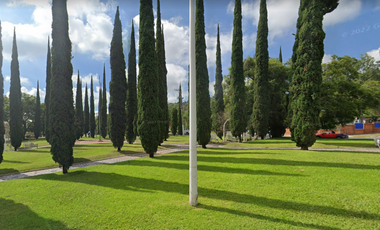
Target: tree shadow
80, 160
265, 161
19, 216
124, 182
8, 171
208, 168
16, 162
265, 218
228, 151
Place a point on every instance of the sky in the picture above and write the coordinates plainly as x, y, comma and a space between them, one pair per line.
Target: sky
352, 29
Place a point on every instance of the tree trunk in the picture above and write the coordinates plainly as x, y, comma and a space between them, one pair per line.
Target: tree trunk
204, 147
64, 170
304, 148
118, 149
151, 155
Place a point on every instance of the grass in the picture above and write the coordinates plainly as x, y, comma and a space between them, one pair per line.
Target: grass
238, 189
32, 159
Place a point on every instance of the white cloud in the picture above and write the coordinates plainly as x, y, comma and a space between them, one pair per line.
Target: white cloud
25, 81
176, 42
33, 92
176, 75
375, 54
225, 47
7, 78
327, 58
86, 79
347, 10
211, 88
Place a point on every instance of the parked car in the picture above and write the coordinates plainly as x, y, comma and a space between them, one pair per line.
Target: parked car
331, 134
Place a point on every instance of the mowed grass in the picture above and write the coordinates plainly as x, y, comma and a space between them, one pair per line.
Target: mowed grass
238, 189
32, 159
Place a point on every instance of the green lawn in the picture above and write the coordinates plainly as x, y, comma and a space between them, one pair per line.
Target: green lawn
32, 159
238, 189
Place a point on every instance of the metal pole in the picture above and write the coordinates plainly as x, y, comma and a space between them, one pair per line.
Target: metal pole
193, 188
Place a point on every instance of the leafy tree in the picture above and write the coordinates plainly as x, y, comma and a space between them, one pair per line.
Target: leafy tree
260, 114
92, 110
62, 130
218, 108
103, 110
179, 129
238, 121
79, 109
308, 52
202, 79
86, 116
2, 129
174, 125
37, 118
132, 91
28, 104
16, 121
47, 95
162, 87
148, 110
118, 86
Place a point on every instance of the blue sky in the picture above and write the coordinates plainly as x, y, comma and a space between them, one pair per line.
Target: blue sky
352, 29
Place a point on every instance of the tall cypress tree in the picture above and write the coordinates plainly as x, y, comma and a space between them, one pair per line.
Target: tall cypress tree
15, 106
103, 116
118, 86
47, 95
179, 129
174, 121
308, 52
148, 109
202, 79
218, 109
92, 110
164, 80
132, 91
100, 105
280, 55
2, 130
238, 121
79, 109
62, 130
86, 117
37, 115
260, 113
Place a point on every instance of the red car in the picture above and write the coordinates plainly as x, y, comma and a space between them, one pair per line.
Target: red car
331, 134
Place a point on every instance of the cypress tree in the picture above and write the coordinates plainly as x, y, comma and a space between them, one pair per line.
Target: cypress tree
132, 91
47, 95
174, 121
86, 116
92, 110
202, 79
218, 109
2, 129
148, 109
79, 109
162, 88
164, 81
118, 86
280, 55
37, 115
100, 105
103, 115
308, 52
238, 121
15, 106
179, 129
260, 113
62, 130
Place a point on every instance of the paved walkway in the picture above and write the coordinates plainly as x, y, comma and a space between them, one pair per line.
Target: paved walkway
160, 152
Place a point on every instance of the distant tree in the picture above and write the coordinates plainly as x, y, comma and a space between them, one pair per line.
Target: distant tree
103, 116
202, 81
37, 119
16, 119
308, 52
92, 110
100, 105
28, 104
62, 128
79, 109
180, 131
148, 109
174, 124
238, 121
47, 95
280, 56
2, 130
86, 117
218, 108
260, 114
118, 86
132, 91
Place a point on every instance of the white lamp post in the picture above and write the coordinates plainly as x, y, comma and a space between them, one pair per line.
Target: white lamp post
193, 183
